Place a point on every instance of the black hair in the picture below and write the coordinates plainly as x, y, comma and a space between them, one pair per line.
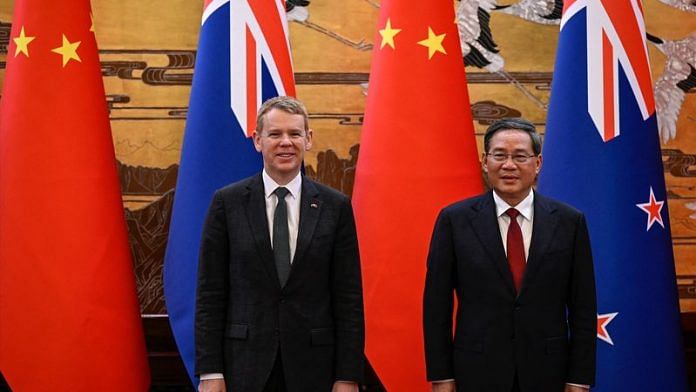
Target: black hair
519, 124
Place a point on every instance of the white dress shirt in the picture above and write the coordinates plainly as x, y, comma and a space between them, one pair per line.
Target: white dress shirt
293, 203
525, 219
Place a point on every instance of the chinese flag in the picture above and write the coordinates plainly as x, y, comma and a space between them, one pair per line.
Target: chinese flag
69, 316
417, 155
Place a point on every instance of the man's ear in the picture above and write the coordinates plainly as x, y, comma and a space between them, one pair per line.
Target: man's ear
308, 146
257, 140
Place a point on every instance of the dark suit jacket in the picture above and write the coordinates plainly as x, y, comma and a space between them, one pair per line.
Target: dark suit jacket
243, 316
546, 334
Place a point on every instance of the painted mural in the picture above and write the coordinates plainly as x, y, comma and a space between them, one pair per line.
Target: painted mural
148, 52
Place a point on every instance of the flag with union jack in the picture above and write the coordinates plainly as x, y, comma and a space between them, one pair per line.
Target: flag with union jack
243, 58
602, 155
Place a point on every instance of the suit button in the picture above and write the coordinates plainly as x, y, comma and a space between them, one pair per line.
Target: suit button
276, 332
282, 300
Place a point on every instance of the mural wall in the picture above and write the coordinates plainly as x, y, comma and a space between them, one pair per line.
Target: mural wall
148, 52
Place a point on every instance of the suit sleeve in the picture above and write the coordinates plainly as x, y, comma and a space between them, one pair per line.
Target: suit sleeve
438, 302
582, 311
212, 291
347, 300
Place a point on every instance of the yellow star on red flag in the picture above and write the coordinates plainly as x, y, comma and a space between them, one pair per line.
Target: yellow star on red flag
433, 43
388, 33
41, 104
68, 50
22, 43
442, 84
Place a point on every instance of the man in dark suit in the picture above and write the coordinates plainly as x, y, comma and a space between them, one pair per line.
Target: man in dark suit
279, 302
520, 266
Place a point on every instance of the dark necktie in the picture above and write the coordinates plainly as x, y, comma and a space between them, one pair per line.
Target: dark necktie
281, 236
515, 249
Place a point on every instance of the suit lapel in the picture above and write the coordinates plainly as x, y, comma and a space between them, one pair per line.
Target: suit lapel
310, 208
485, 224
255, 210
544, 227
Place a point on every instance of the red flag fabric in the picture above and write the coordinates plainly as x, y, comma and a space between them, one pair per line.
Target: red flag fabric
417, 154
69, 315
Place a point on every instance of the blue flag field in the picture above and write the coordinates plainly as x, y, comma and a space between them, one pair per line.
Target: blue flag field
602, 155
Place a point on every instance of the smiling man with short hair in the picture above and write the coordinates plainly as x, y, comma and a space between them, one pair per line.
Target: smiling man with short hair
520, 267
279, 304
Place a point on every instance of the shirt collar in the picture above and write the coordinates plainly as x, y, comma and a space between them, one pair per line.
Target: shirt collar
269, 185
525, 207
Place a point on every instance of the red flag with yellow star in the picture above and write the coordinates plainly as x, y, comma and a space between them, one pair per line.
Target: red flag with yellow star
69, 315
417, 154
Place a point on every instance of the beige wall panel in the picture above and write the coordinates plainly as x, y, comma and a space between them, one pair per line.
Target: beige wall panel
156, 144
147, 24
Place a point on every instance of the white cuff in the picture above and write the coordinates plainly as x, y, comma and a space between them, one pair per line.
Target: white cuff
212, 376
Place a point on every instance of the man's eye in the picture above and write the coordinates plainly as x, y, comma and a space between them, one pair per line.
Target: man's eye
522, 158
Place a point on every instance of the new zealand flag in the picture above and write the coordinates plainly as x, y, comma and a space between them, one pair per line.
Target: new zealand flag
243, 58
602, 155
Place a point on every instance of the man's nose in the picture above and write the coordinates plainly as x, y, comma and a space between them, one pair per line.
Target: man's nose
285, 139
509, 163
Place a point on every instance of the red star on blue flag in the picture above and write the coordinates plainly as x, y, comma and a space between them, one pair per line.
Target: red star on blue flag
602, 321
654, 210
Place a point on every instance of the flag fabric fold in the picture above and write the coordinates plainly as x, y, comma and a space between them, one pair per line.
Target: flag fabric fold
602, 155
69, 314
243, 58
417, 155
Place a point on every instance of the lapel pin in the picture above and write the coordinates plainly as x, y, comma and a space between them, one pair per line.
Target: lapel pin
314, 205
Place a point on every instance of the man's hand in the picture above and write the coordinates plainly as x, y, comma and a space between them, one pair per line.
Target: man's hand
575, 388
345, 386
214, 385
446, 386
